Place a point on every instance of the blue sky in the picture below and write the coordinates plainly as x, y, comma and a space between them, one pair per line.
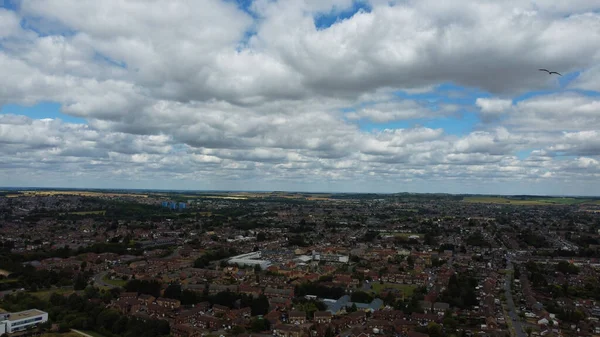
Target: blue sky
40, 110
177, 101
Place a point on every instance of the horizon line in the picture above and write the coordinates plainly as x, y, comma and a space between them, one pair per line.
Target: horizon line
26, 188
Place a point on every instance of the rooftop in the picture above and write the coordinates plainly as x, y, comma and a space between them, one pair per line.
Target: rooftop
15, 316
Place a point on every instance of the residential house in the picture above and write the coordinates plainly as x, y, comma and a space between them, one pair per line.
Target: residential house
127, 295
218, 288
357, 317
297, 317
146, 299
208, 322
440, 307
283, 293
288, 330
185, 330
168, 303
220, 309
323, 317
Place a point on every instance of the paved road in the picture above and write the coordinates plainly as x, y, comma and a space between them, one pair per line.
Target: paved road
99, 280
516, 321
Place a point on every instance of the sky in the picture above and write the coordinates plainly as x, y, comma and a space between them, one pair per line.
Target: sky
314, 95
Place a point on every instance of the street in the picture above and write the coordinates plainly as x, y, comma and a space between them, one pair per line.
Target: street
516, 322
99, 280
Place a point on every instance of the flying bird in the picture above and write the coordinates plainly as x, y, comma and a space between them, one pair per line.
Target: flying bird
550, 72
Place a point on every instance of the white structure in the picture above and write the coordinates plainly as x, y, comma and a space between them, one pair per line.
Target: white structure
19, 321
330, 257
250, 259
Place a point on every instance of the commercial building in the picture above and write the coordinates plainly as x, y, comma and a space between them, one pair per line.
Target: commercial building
250, 259
20, 321
174, 205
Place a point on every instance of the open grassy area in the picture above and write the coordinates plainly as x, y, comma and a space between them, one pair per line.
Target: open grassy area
89, 212
45, 294
402, 235
407, 289
92, 333
8, 280
116, 282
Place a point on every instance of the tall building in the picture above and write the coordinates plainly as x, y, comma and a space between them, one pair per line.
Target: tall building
20, 321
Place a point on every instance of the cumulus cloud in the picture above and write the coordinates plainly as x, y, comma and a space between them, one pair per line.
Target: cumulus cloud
492, 108
208, 92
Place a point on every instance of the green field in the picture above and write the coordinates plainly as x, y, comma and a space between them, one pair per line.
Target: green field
529, 201
407, 289
8, 280
92, 333
45, 294
402, 235
88, 213
115, 282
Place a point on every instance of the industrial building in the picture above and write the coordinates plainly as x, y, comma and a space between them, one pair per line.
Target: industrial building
20, 321
173, 205
250, 259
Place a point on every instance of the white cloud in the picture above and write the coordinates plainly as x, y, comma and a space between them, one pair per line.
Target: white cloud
589, 79
493, 107
169, 92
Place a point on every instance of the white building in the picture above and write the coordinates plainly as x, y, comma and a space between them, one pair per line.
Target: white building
19, 321
250, 259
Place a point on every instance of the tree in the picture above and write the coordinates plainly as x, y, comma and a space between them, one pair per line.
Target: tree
237, 330
528, 331
411, 261
173, 291
80, 282
434, 330
260, 305
353, 308
361, 297
261, 236
329, 332
450, 323
259, 325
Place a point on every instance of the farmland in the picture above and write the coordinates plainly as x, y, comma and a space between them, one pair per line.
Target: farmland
531, 201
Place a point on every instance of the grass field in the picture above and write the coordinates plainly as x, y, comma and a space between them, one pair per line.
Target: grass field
8, 280
402, 235
407, 289
88, 212
45, 294
115, 282
92, 333
530, 201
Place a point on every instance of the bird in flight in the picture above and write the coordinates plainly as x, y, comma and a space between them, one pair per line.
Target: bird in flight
550, 72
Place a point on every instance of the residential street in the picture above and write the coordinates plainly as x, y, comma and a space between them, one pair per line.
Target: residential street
516, 322
99, 280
